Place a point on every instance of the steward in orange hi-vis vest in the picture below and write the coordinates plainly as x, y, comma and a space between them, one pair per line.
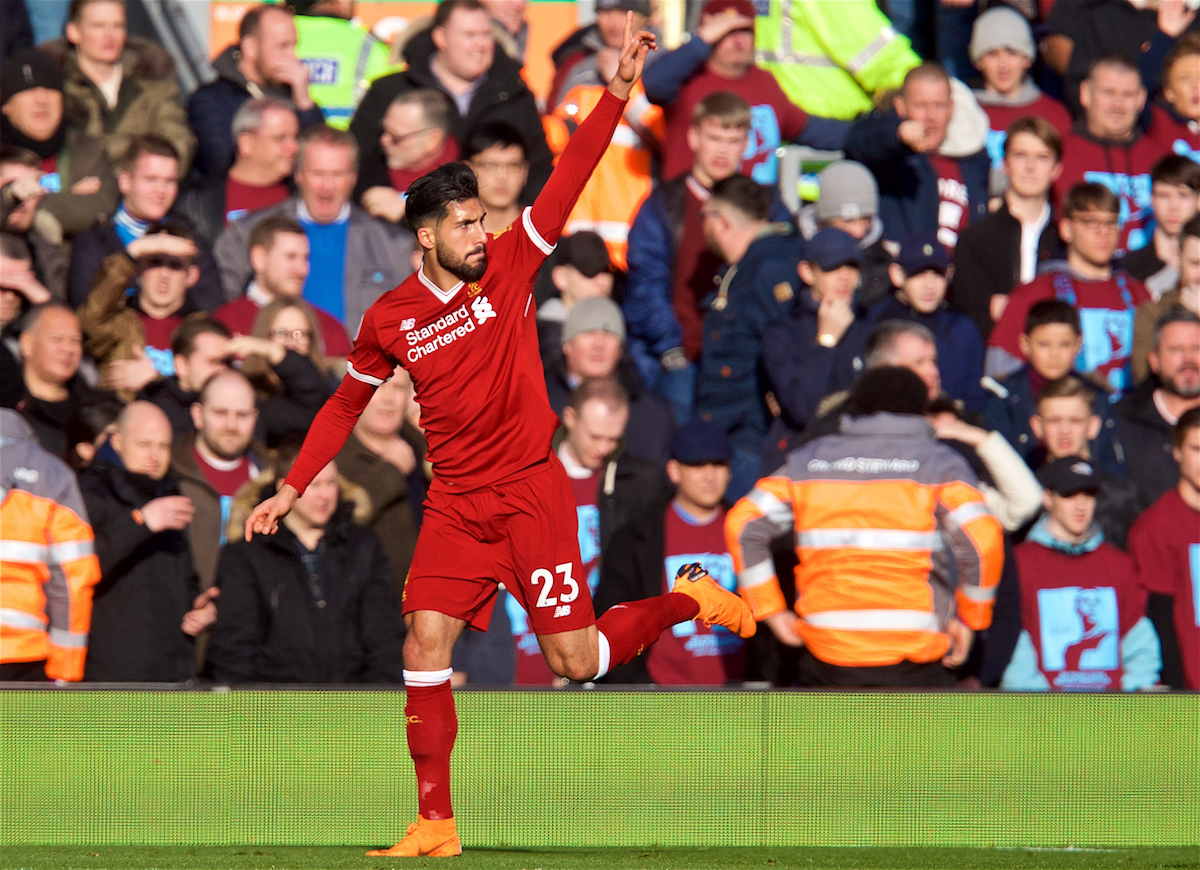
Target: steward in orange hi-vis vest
47, 562
884, 518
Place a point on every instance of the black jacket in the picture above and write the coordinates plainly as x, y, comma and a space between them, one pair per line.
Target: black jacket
1146, 439
147, 583
275, 624
503, 96
49, 419
987, 262
175, 401
651, 420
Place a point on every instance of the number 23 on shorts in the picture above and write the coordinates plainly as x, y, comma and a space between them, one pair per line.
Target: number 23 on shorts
546, 580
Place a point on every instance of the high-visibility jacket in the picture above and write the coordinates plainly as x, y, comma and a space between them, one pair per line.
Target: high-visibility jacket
342, 60
621, 180
893, 537
831, 57
48, 565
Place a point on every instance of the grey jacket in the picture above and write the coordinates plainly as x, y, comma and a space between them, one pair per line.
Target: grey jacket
378, 257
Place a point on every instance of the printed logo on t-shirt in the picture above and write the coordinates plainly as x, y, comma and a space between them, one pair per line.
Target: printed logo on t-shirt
1194, 565
51, 182
1080, 635
763, 141
589, 541
226, 506
163, 359
995, 146
1134, 192
1107, 338
1182, 147
235, 213
447, 329
719, 641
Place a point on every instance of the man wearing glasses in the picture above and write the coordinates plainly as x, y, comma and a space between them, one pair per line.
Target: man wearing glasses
1105, 297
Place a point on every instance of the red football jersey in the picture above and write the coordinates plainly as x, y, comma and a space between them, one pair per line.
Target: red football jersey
472, 351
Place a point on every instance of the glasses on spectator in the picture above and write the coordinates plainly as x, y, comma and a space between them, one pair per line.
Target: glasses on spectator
292, 334
391, 137
493, 167
1105, 224
163, 261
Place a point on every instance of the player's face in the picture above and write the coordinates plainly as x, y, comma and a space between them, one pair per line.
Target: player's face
1031, 165
460, 241
1072, 512
1188, 457
1051, 349
316, 506
700, 485
1176, 360
1065, 425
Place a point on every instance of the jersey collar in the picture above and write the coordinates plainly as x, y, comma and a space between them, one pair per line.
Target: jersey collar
443, 295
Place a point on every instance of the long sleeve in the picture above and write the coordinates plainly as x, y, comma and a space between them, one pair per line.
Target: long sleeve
977, 543
304, 392
104, 304
1022, 673
1141, 657
1018, 495
665, 76
799, 370
330, 429
647, 304
753, 524
74, 573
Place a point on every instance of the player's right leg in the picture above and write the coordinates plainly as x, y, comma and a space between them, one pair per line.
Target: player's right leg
432, 727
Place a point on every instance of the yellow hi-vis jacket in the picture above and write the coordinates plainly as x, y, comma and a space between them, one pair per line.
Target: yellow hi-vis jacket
831, 57
48, 564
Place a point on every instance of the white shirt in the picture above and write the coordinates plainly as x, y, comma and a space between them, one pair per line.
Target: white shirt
1031, 234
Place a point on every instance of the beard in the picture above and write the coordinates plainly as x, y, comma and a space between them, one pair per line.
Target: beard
1183, 386
458, 266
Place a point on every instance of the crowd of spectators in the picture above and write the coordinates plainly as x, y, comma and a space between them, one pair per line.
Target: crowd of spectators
1005, 213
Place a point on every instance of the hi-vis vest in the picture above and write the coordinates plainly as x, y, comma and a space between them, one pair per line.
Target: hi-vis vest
342, 60
48, 564
831, 57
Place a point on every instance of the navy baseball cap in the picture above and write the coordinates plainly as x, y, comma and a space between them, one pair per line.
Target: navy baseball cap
831, 248
1069, 476
700, 442
921, 253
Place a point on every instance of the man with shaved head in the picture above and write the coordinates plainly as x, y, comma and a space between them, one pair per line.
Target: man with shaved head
51, 349
216, 460
147, 608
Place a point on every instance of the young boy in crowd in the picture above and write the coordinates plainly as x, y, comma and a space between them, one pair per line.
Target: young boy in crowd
1050, 343
1186, 294
1083, 614
921, 275
1176, 118
1165, 544
1174, 195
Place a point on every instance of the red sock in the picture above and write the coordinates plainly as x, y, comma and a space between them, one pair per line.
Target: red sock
632, 627
432, 727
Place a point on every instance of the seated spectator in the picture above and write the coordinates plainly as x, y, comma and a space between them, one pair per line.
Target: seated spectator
817, 349
279, 257
1146, 416
496, 154
756, 290
576, 58
929, 181
354, 259
51, 349
147, 607
313, 603
1002, 49
593, 346
1105, 296
197, 353
118, 87
1006, 248
1107, 144
921, 275
19, 285
720, 57
215, 461
137, 329
1051, 342
456, 56
262, 63
849, 202
610, 487
76, 175
1177, 114
1065, 422
264, 141
647, 553
1083, 615
819, 501
1186, 294
581, 269
1175, 186
1163, 542
416, 139
148, 181
383, 455
670, 266
20, 195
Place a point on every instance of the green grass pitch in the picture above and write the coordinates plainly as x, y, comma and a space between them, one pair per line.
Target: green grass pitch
337, 858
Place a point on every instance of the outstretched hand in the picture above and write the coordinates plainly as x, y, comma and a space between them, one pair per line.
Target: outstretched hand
265, 518
634, 48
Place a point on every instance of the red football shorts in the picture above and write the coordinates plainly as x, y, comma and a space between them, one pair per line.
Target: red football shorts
522, 533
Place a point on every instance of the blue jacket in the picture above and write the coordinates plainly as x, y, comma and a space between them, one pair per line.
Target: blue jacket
653, 240
908, 183
1011, 402
730, 383
959, 348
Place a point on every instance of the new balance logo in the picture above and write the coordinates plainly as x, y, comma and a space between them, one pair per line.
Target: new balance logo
562, 610
407, 323
482, 309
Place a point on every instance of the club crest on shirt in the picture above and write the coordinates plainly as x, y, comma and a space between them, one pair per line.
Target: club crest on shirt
473, 289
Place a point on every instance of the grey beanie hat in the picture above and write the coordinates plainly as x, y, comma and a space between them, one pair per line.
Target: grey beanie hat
588, 315
1001, 27
848, 192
